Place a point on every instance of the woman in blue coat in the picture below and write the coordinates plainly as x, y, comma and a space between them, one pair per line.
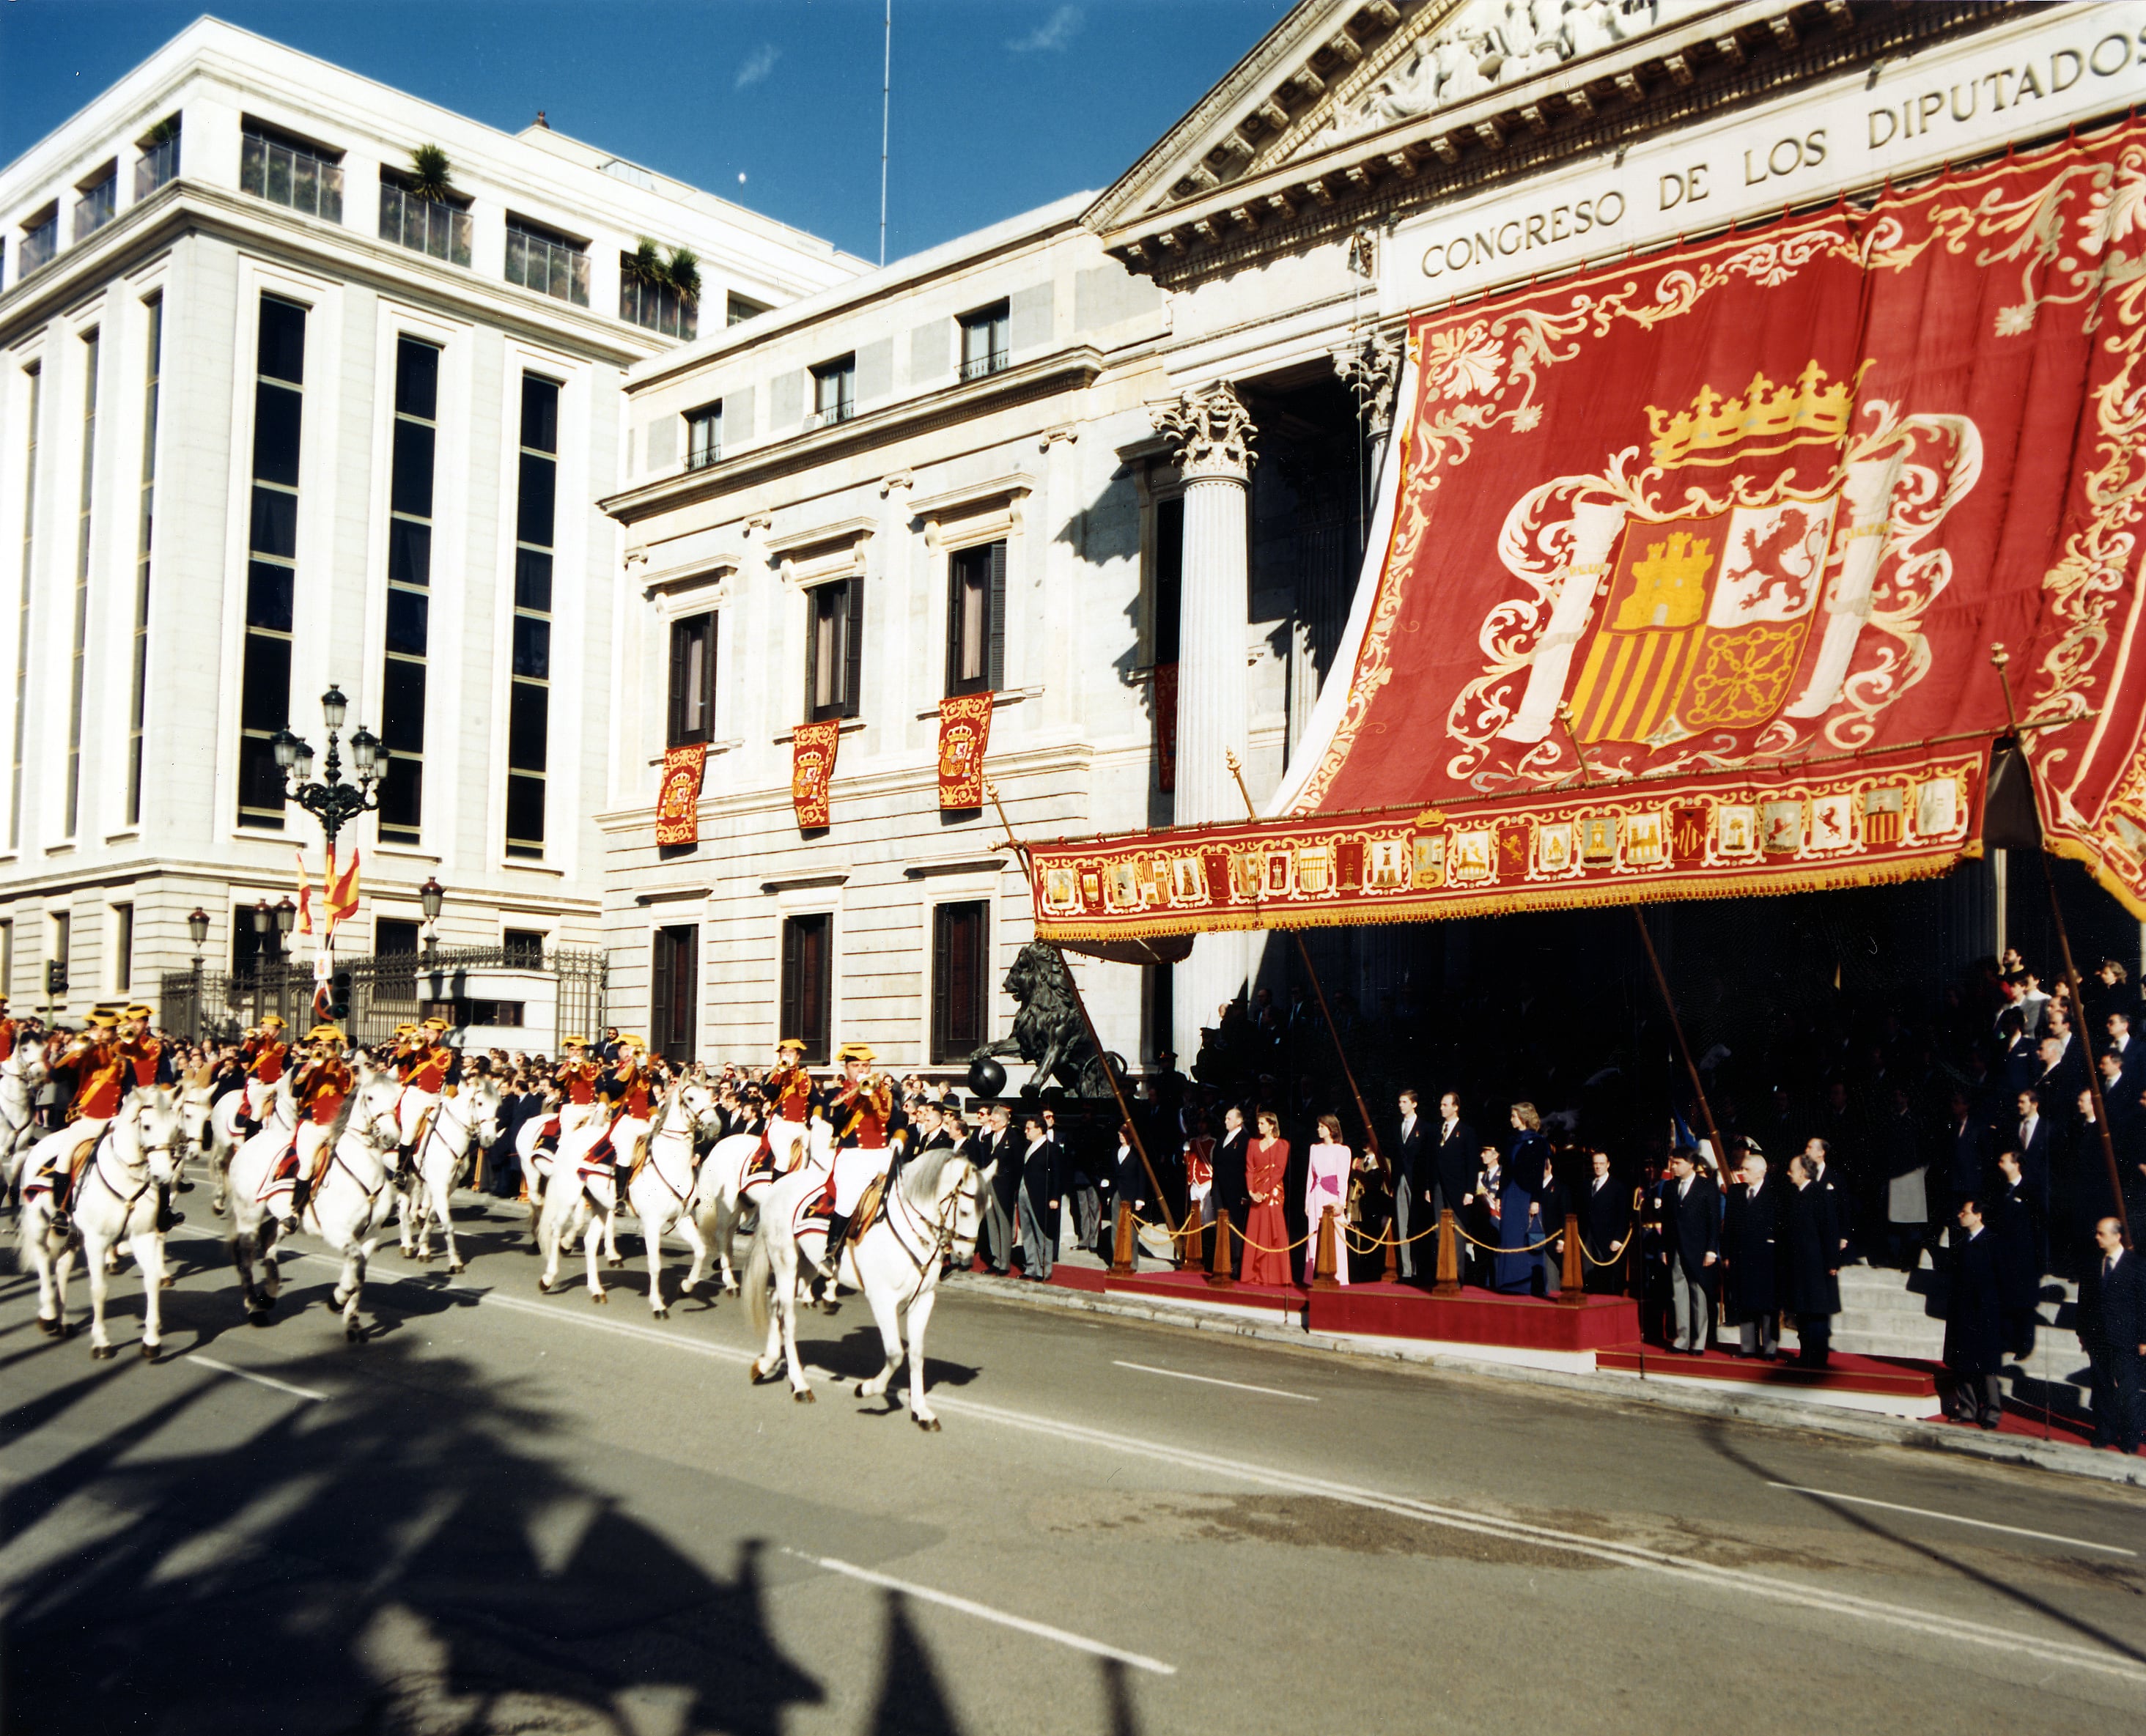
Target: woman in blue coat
1519, 1213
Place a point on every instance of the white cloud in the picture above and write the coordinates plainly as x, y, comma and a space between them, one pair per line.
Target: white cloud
1052, 35
757, 65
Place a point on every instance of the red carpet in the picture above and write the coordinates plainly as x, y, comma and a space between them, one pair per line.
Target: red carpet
1845, 1372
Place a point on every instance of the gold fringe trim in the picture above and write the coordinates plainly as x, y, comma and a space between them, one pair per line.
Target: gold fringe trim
1666, 889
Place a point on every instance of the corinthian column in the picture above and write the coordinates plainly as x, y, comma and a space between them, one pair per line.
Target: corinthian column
1371, 370
1212, 435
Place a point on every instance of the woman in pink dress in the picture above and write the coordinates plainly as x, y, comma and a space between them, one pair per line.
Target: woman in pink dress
1326, 1184
1266, 1229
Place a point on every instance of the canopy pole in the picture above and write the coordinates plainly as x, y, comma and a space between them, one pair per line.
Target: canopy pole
1088, 1025
1997, 656
1661, 977
1303, 956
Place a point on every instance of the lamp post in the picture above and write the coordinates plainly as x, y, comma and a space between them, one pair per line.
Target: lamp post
197, 932
430, 897
333, 802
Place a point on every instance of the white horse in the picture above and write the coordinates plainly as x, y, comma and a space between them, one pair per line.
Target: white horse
727, 1189
471, 1116
114, 1205
929, 1207
570, 1210
20, 1075
355, 1194
222, 1137
660, 1191
248, 1180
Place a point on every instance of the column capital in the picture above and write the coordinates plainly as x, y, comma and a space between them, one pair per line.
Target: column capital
1371, 369
1210, 431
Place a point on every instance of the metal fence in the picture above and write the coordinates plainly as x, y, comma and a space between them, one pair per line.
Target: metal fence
567, 985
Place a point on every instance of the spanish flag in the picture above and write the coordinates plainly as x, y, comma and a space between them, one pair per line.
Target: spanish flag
305, 897
339, 891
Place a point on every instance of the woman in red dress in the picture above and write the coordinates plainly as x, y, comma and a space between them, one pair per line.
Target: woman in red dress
1266, 1230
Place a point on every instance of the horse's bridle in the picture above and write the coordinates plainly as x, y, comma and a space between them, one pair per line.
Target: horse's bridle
941, 1226
106, 1142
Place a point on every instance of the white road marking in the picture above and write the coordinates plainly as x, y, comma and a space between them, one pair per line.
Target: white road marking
280, 1386
1041, 1630
1953, 1519
1631, 1555
1272, 1392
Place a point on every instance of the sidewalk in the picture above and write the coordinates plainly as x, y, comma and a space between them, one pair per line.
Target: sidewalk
1776, 1395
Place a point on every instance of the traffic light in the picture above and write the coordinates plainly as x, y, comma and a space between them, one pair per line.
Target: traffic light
339, 996
55, 978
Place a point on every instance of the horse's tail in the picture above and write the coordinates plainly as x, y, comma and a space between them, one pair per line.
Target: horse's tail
756, 1282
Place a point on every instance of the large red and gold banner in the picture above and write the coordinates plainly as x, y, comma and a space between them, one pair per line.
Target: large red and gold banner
1689, 571
813, 770
678, 797
965, 731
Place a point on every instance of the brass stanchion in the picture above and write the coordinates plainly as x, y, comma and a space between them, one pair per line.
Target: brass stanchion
1192, 1251
1322, 1266
1121, 1245
1572, 1281
1218, 1272
1448, 1282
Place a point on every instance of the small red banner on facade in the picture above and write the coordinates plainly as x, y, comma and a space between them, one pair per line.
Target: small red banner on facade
813, 770
964, 731
678, 801
1166, 726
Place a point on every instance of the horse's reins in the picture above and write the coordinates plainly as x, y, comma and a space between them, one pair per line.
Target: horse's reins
105, 1141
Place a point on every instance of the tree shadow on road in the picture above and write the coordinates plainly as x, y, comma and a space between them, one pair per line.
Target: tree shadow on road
399, 1558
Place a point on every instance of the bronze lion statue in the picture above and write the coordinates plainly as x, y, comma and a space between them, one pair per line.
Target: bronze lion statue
1047, 1029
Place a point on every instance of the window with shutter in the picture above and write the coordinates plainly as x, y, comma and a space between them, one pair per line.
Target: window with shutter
960, 937
976, 619
807, 983
692, 689
674, 989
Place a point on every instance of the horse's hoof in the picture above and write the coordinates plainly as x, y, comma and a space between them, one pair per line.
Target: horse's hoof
167, 1281
860, 1388
661, 1314
148, 1353
352, 1336
216, 1206
261, 1316
929, 1424
599, 1296
615, 1259
803, 1395
456, 1265
51, 1328
544, 1286
102, 1353
752, 1375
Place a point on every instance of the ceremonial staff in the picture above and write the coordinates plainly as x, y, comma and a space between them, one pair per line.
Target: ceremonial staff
1088, 1025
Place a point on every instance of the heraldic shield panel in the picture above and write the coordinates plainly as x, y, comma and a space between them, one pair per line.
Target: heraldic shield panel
1688, 570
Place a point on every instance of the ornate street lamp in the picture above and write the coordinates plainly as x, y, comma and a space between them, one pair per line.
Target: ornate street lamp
333, 802
197, 932
430, 897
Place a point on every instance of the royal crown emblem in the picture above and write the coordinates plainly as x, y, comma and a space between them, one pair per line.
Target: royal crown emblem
1808, 410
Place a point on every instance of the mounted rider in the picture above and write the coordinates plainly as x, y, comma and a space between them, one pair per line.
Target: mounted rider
101, 1078
265, 1053
434, 1068
865, 1147
577, 1077
320, 1086
628, 1085
789, 1089
9, 1030
149, 1059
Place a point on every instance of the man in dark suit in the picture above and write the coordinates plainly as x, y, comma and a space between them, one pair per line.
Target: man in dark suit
996, 1146
2112, 1331
2017, 1229
2035, 1145
1975, 1316
1605, 1210
1692, 1218
1456, 1155
1413, 1185
1810, 1271
1750, 1259
1962, 1160
1232, 1194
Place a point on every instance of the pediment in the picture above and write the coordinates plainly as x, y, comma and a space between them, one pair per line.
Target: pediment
1334, 72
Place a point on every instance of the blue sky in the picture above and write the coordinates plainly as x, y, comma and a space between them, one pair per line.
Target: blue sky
1000, 106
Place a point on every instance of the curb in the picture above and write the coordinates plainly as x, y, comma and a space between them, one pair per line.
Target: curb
2061, 1457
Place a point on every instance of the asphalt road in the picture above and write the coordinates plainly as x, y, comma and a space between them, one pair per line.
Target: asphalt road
511, 1512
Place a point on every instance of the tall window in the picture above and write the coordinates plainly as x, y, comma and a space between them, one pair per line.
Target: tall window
287, 170
656, 306
835, 390
272, 567
159, 161
808, 981
409, 587
122, 949
1169, 577
91, 351
40, 239
704, 436
984, 340
975, 620
674, 988
738, 309
834, 648
439, 228
547, 262
692, 709
36, 381
97, 204
529, 698
961, 936
137, 702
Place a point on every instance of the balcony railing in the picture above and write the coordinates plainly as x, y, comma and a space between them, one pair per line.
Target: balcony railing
38, 245
156, 166
549, 267
285, 175
431, 227
97, 206
827, 414
974, 368
699, 458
